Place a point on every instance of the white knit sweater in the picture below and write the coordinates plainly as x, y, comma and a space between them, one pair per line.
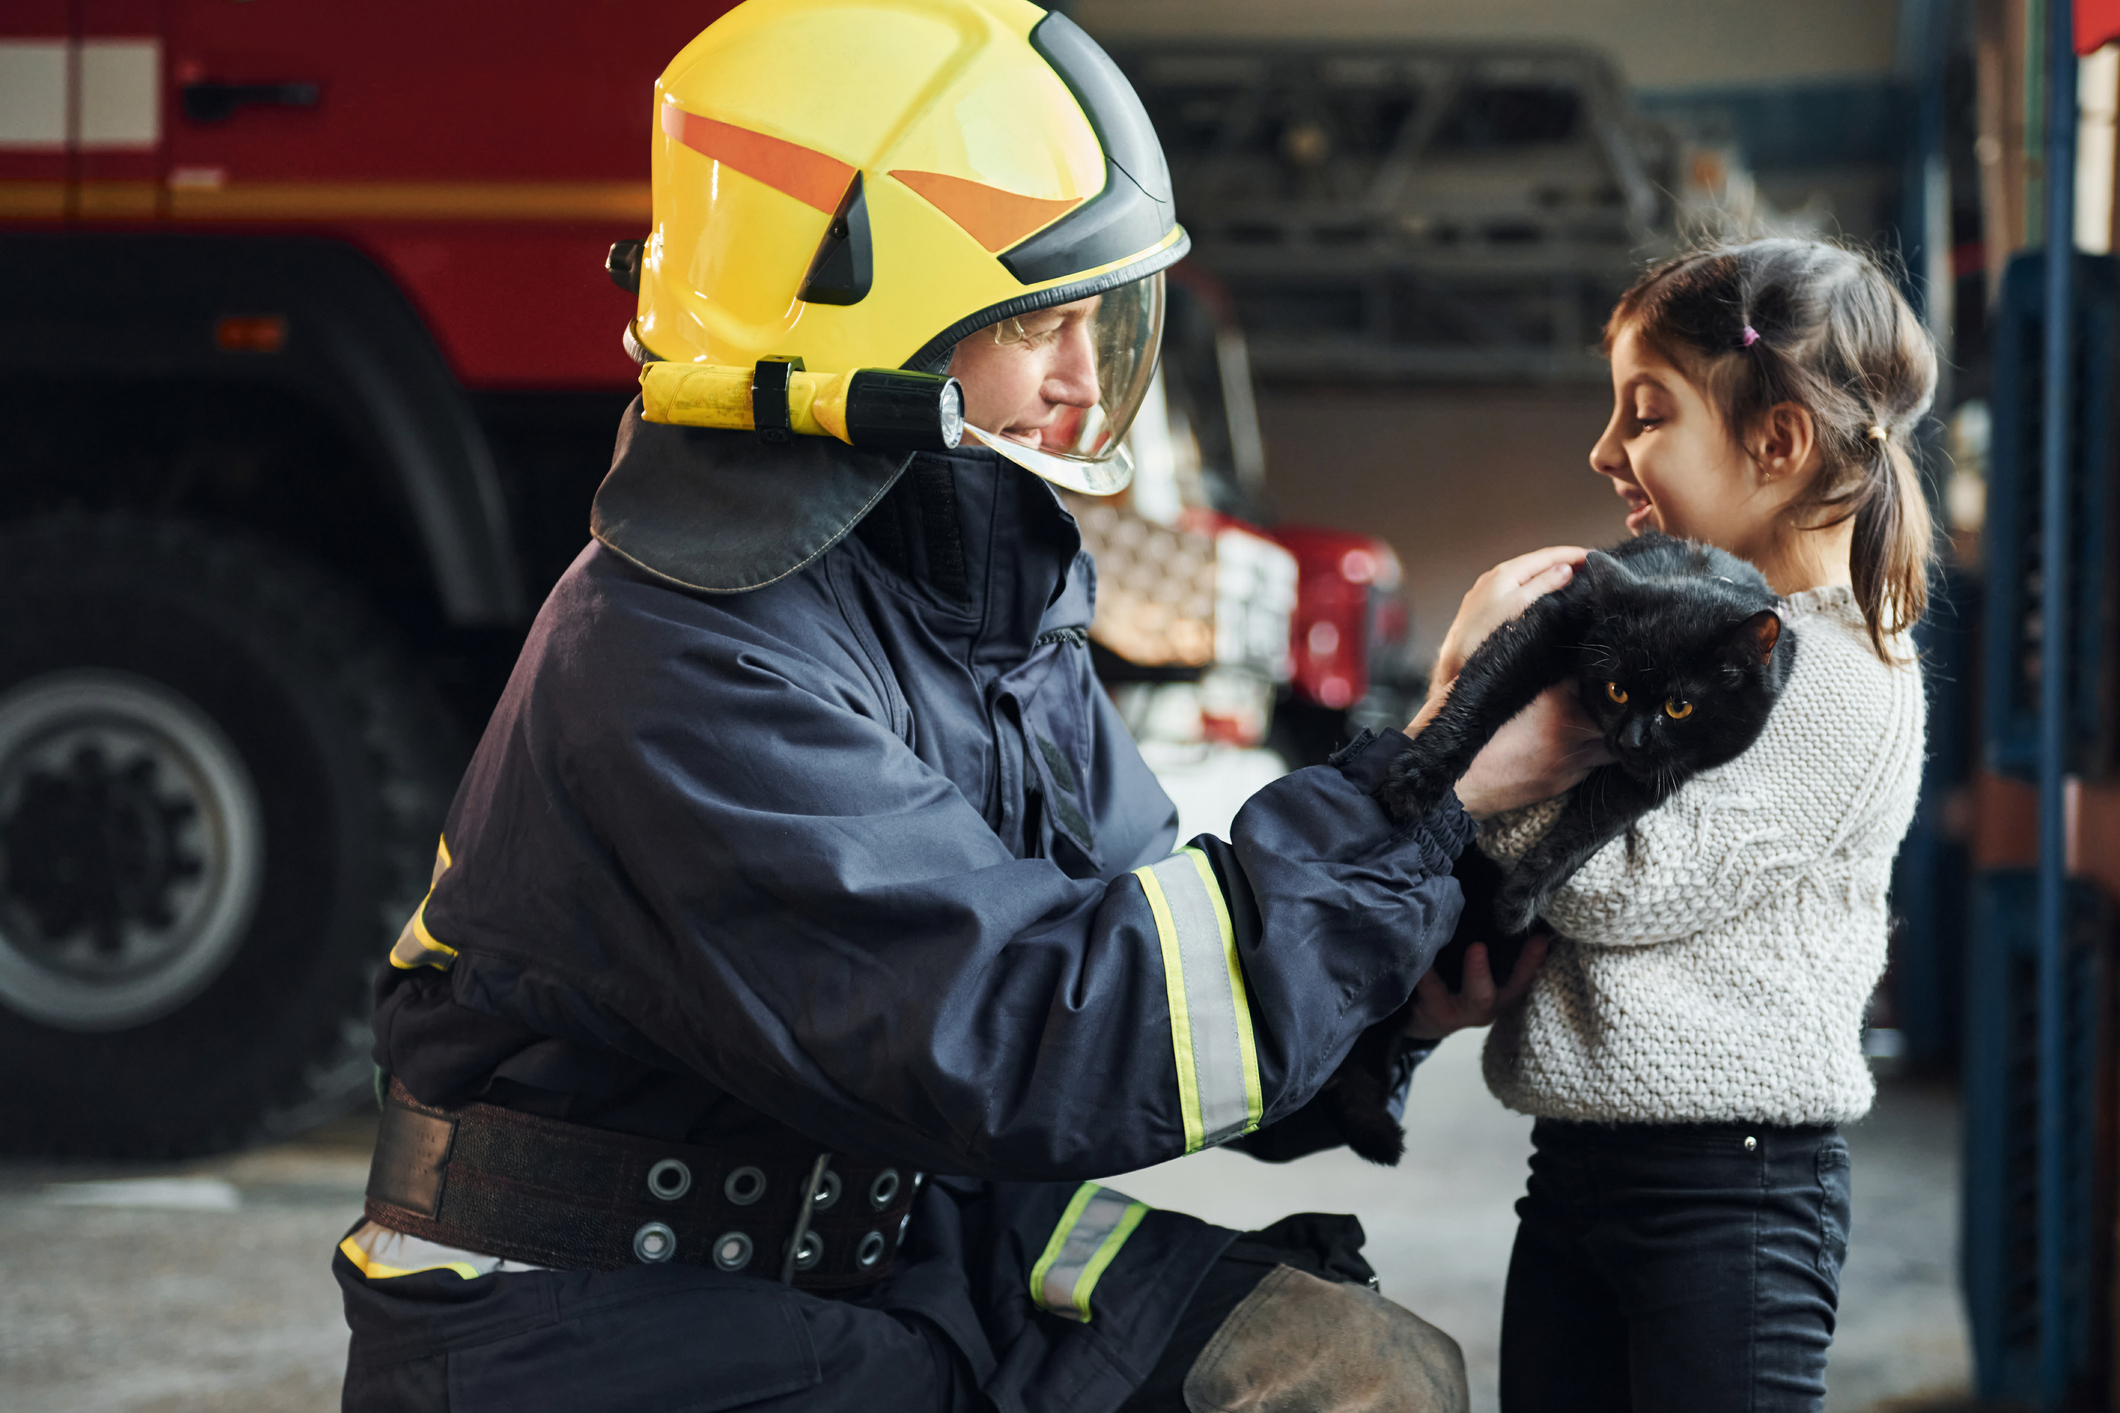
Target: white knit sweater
1719, 972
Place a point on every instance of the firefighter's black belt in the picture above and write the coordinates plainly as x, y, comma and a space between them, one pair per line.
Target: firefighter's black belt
564, 1195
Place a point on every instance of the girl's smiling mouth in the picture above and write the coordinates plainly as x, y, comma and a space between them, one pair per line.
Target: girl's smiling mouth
1638, 508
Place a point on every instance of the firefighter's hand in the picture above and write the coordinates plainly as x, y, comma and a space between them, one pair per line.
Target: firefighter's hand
1437, 1010
1540, 752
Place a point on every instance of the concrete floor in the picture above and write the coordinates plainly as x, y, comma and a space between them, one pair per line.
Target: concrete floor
206, 1288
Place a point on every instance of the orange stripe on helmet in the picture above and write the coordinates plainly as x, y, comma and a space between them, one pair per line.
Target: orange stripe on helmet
995, 218
806, 174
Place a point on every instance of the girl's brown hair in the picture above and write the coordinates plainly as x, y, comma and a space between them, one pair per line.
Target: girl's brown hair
1766, 322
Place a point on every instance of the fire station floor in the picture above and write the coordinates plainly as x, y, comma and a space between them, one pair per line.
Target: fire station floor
205, 1286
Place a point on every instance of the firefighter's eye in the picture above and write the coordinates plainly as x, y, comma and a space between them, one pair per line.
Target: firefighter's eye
1616, 692
1034, 330
1678, 710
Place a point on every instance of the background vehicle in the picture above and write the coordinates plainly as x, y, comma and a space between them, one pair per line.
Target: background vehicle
1454, 212
309, 367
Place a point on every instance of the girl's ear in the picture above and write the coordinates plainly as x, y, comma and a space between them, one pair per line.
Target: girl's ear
1785, 440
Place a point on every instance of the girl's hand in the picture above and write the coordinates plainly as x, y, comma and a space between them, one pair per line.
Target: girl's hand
1499, 595
1542, 751
1437, 1010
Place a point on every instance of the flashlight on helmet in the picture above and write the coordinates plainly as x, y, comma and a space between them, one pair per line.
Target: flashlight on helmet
882, 409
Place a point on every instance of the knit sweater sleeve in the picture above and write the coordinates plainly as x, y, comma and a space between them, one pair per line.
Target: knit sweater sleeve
1832, 777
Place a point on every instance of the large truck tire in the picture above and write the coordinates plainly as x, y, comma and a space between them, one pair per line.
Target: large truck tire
220, 790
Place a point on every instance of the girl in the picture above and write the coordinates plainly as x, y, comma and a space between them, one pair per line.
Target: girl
1692, 1043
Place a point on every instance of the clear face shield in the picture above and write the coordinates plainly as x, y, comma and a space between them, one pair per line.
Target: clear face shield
1055, 390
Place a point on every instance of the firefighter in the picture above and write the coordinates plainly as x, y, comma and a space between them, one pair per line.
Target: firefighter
806, 937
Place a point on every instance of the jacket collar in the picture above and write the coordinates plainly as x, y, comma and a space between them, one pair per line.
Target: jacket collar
985, 545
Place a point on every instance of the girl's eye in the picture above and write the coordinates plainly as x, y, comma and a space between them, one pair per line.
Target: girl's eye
1678, 710
1616, 692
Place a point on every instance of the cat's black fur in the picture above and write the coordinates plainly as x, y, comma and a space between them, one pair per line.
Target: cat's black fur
1691, 637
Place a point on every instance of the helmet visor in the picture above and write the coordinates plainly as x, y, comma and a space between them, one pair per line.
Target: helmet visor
1054, 390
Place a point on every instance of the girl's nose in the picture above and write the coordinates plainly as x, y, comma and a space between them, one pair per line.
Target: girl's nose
1609, 456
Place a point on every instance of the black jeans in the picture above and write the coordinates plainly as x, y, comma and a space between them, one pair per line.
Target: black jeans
1684, 1268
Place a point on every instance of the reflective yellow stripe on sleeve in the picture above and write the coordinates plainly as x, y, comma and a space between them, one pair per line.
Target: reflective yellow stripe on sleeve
1087, 1237
416, 946
1219, 1095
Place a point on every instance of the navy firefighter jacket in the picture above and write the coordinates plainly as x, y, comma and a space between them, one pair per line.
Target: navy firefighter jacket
866, 853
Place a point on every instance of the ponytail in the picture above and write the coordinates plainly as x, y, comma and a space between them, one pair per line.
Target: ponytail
1894, 545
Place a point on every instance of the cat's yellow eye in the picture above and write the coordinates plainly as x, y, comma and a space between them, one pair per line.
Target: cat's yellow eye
1678, 710
1616, 692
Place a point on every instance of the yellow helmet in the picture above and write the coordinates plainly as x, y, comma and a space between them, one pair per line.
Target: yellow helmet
858, 184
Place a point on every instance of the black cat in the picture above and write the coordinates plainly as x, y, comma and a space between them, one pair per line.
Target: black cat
1677, 653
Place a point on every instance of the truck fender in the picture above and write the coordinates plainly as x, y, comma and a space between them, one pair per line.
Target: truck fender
313, 316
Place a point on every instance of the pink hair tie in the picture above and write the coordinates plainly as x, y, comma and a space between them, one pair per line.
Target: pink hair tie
1751, 336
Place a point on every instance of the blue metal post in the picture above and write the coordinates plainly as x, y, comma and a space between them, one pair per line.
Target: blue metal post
2054, 633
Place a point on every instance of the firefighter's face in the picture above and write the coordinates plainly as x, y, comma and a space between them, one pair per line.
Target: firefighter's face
1030, 378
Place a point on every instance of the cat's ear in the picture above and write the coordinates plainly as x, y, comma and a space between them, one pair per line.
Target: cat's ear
1602, 570
1754, 638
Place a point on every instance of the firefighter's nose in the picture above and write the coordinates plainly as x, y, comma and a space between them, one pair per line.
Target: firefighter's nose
1073, 379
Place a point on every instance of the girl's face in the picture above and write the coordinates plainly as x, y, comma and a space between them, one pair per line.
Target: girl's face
1033, 382
1677, 466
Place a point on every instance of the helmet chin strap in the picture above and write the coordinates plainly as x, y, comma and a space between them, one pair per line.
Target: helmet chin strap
1092, 478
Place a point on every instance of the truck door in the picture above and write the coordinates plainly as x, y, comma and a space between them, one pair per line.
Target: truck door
474, 151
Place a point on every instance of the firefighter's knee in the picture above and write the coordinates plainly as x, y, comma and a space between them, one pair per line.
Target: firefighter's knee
1300, 1343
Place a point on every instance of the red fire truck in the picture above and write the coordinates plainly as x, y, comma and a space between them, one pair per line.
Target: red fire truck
309, 367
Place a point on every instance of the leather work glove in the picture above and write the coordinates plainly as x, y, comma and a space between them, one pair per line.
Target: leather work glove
1300, 1343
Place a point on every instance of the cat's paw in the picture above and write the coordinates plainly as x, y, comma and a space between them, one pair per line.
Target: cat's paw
1410, 792
1516, 908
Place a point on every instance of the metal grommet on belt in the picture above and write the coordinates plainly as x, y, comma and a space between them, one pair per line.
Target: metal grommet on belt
870, 1251
810, 1252
670, 1179
744, 1186
654, 1242
827, 1191
732, 1251
883, 1189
